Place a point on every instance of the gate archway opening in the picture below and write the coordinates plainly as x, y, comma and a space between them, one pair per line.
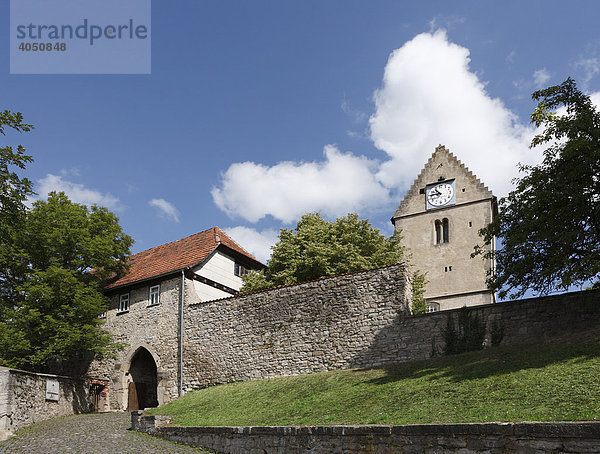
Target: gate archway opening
144, 381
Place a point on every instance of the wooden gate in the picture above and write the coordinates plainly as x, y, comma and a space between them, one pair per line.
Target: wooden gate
137, 396
96, 397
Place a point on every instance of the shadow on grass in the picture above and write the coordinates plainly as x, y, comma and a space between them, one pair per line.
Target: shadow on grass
497, 361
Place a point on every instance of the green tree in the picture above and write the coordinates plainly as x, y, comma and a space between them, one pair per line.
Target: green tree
549, 224
70, 251
74, 237
14, 190
465, 334
317, 248
419, 304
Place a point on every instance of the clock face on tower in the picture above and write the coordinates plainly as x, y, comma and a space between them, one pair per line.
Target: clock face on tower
440, 194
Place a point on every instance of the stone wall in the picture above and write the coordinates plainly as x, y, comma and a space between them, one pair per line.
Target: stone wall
326, 324
565, 437
354, 320
422, 336
23, 399
153, 328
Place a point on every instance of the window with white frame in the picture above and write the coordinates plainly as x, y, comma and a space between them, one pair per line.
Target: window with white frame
154, 297
240, 270
433, 307
124, 303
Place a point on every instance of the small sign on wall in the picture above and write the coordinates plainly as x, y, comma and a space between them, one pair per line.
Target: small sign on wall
52, 389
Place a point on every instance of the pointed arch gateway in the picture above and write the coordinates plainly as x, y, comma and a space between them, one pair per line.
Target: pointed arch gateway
143, 382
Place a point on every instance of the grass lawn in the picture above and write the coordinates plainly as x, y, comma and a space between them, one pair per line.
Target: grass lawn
552, 380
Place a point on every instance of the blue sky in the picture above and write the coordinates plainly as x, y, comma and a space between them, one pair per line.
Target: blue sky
256, 112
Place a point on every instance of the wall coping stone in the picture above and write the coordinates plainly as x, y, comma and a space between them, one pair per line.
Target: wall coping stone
540, 300
38, 374
295, 284
559, 429
540, 437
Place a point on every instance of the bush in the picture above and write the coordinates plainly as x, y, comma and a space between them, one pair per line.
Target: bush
465, 335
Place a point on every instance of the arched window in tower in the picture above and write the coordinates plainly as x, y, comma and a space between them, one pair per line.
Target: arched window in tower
438, 232
446, 230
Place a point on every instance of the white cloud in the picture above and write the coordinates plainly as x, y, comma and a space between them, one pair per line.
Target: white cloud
446, 22
355, 115
73, 171
76, 192
257, 243
541, 78
429, 96
510, 58
165, 209
521, 84
590, 67
340, 184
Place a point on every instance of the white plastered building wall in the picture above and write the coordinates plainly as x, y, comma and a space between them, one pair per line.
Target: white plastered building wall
219, 267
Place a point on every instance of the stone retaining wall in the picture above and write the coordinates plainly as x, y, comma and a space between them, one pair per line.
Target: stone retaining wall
565, 437
23, 399
315, 326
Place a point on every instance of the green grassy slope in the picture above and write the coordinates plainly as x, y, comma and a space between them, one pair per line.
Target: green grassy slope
546, 381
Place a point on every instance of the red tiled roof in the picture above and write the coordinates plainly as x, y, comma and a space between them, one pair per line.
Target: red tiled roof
172, 257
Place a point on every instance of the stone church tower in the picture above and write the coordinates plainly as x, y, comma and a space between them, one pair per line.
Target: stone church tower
440, 217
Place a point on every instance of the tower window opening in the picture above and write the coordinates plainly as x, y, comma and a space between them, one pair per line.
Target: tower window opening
438, 232
445, 228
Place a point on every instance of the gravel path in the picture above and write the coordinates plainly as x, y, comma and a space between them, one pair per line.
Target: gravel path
92, 433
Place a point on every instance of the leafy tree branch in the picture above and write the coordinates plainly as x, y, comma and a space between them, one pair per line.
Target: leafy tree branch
550, 223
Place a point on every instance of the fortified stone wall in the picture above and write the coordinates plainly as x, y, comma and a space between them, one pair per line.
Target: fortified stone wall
330, 323
23, 399
153, 328
354, 320
422, 336
520, 321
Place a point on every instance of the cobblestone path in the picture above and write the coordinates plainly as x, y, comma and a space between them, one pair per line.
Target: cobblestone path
104, 433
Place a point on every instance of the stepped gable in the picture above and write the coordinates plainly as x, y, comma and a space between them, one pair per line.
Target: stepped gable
418, 183
177, 255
